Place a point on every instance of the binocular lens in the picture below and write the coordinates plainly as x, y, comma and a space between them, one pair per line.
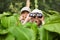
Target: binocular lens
32, 15
39, 15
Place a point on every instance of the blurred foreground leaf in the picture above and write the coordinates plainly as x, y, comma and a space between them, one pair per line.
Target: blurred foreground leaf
23, 33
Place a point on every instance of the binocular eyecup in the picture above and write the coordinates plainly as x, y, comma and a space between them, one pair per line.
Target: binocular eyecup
39, 15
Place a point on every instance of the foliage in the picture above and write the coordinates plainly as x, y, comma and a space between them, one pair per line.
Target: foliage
15, 6
12, 29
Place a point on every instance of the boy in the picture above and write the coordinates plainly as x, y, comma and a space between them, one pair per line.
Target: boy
25, 11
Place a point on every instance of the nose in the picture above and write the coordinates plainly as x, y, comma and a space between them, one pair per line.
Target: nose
36, 20
23, 18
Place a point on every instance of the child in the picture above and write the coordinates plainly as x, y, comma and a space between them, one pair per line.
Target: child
25, 11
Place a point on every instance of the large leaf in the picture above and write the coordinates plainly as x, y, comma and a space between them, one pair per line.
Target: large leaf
10, 37
55, 27
8, 21
44, 34
52, 19
32, 26
47, 35
53, 24
3, 31
23, 33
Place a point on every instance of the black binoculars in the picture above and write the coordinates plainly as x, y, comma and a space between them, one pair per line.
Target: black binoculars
39, 15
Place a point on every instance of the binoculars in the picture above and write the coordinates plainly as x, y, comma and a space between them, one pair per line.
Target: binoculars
39, 15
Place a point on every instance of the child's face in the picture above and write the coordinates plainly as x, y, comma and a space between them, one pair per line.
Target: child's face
23, 16
37, 20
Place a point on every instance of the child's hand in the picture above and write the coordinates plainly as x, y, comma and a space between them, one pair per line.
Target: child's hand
27, 19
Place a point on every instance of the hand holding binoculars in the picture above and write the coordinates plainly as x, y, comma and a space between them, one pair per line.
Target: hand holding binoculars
39, 15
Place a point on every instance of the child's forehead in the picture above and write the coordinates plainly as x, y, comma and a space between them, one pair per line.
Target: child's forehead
24, 12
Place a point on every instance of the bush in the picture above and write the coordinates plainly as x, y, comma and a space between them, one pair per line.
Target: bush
12, 29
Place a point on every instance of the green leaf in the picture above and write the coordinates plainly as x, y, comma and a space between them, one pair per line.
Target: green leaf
45, 34
52, 19
55, 27
53, 23
23, 33
8, 21
3, 31
1, 15
12, 21
6, 13
10, 37
32, 26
